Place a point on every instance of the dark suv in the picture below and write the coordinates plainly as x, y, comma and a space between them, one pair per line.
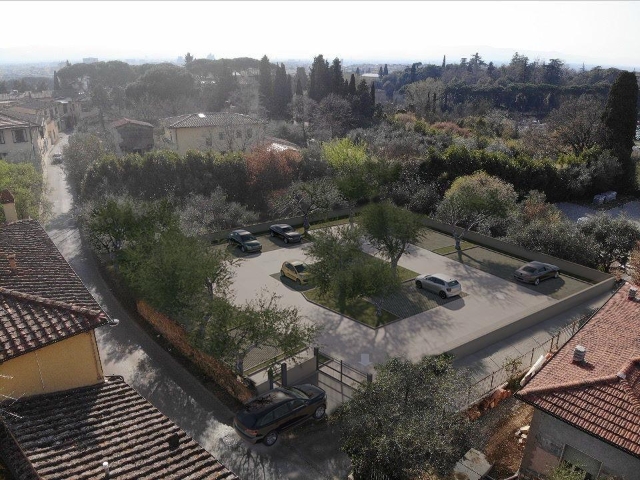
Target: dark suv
246, 241
264, 417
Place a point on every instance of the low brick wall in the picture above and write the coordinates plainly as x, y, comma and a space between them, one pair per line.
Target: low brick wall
211, 366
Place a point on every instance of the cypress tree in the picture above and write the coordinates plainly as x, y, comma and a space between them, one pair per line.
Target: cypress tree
444, 61
386, 70
352, 85
358, 71
299, 90
373, 97
265, 87
56, 81
380, 72
337, 78
319, 79
619, 119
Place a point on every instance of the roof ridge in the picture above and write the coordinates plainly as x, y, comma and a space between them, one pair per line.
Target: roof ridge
49, 302
570, 385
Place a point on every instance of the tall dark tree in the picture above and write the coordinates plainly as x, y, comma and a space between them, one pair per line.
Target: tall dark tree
619, 119
380, 73
352, 85
281, 93
56, 81
299, 90
337, 78
386, 70
188, 58
444, 61
265, 84
319, 79
358, 71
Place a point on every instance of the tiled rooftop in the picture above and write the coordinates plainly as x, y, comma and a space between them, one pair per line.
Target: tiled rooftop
125, 121
40, 269
70, 434
28, 322
11, 122
220, 119
601, 396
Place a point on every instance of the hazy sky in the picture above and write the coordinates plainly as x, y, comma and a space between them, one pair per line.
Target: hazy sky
596, 32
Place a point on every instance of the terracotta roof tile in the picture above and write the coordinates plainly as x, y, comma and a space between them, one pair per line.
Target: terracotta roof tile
591, 396
40, 268
70, 434
125, 121
28, 322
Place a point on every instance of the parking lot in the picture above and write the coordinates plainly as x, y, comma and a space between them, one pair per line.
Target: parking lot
488, 300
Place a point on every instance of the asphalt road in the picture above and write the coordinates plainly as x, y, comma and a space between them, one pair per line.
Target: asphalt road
309, 452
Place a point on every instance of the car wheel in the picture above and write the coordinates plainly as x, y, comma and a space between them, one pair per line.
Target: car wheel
537, 282
418, 285
286, 240
443, 294
271, 438
319, 413
556, 275
243, 248
298, 281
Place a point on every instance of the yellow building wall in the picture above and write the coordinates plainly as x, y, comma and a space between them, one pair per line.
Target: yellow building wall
71, 363
195, 138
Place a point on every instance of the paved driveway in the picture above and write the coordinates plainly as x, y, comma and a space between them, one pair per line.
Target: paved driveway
490, 300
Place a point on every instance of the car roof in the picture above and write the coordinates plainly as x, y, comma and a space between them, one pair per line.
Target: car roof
535, 263
241, 232
267, 400
295, 262
281, 225
441, 276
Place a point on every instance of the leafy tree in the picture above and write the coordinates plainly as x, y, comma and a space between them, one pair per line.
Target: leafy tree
302, 111
188, 58
565, 471
270, 170
163, 82
390, 229
202, 214
576, 124
352, 85
406, 421
337, 77
307, 198
534, 207
228, 332
476, 201
332, 117
619, 119
341, 269
614, 238
110, 222
82, 151
174, 269
27, 187
353, 169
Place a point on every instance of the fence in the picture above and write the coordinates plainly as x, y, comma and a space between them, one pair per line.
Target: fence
340, 371
486, 385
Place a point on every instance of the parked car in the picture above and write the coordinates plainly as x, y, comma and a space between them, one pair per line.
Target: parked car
534, 272
296, 270
285, 232
439, 283
56, 159
245, 240
265, 416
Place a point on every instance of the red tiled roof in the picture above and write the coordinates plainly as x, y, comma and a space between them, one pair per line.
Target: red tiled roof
40, 268
70, 434
219, 119
28, 322
593, 396
125, 121
7, 121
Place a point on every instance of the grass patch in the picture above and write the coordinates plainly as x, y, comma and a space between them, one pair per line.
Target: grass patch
406, 274
452, 248
358, 309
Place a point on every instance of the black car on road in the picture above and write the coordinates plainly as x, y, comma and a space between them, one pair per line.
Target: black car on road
286, 232
265, 416
245, 240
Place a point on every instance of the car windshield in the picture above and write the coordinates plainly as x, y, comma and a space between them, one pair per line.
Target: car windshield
247, 419
246, 238
287, 228
300, 268
529, 269
453, 283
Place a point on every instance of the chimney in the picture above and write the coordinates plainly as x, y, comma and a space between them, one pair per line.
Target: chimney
9, 206
579, 353
11, 258
105, 467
